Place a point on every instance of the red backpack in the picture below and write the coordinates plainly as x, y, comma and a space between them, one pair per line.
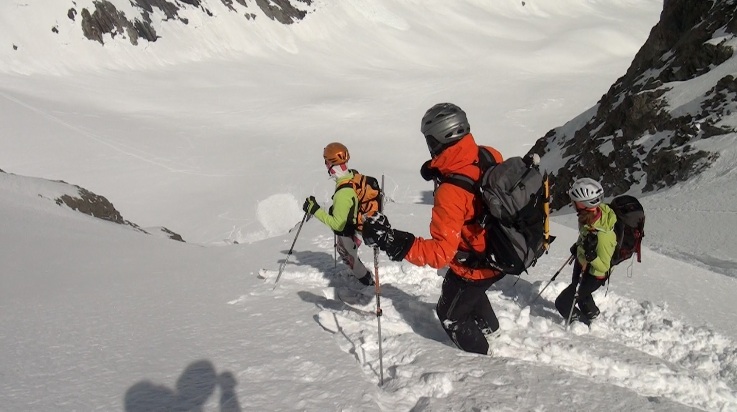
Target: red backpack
630, 228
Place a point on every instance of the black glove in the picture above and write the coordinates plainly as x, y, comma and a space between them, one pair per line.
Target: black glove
589, 246
574, 249
378, 232
311, 206
429, 173
376, 228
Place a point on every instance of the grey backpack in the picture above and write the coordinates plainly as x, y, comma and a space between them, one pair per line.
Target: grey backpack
514, 197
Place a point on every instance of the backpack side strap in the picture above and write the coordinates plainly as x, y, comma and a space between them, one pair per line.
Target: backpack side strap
462, 181
639, 234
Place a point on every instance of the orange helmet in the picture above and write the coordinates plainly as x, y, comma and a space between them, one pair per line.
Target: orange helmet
335, 154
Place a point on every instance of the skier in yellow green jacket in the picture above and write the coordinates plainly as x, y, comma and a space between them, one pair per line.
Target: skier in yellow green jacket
593, 250
343, 214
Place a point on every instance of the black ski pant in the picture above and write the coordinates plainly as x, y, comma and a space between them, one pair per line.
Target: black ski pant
465, 312
586, 304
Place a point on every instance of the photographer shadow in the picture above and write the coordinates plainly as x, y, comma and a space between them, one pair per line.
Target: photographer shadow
195, 386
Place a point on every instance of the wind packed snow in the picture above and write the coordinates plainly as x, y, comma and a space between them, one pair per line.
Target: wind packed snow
216, 132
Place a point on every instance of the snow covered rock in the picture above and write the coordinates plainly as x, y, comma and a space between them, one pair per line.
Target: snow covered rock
106, 18
648, 131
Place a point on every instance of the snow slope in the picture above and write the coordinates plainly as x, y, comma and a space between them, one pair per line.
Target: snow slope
223, 146
99, 317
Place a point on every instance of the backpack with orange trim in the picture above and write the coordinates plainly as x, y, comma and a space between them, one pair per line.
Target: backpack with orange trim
369, 195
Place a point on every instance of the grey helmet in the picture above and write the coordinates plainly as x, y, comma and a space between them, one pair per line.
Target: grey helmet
587, 192
443, 125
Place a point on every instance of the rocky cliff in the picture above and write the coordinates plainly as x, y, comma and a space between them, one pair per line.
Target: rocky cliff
105, 18
644, 133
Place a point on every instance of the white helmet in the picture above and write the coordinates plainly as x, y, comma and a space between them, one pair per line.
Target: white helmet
587, 192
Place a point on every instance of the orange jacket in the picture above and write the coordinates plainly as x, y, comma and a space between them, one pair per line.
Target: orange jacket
452, 214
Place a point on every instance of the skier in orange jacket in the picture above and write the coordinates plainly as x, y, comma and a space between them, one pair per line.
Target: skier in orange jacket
463, 307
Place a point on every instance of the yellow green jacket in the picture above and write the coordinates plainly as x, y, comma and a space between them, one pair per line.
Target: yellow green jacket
342, 215
606, 242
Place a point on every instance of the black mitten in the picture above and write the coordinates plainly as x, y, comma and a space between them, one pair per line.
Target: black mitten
574, 249
376, 230
398, 245
429, 173
589, 246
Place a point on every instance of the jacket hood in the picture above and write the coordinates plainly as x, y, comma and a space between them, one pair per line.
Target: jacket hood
456, 157
607, 220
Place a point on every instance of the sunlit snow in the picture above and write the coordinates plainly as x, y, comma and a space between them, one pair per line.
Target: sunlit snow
216, 132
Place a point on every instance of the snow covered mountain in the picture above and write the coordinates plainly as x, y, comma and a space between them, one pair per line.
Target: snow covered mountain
216, 130
668, 118
73, 197
104, 18
57, 36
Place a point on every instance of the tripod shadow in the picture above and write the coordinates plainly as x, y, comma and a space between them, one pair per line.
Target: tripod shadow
193, 388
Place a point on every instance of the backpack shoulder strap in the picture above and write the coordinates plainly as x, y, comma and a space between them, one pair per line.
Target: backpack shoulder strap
348, 183
352, 183
344, 185
486, 162
462, 181
486, 159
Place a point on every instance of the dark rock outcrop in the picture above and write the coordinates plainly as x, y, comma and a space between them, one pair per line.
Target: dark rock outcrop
93, 205
107, 19
633, 137
282, 10
98, 206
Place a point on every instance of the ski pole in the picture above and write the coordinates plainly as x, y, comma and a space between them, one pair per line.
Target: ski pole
281, 268
378, 313
575, 298
567, 262
377, 287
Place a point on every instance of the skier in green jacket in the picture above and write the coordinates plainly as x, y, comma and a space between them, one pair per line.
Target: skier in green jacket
593, 250
343, 214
